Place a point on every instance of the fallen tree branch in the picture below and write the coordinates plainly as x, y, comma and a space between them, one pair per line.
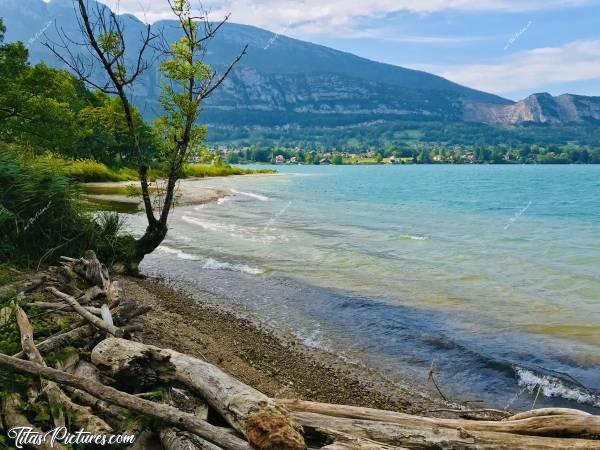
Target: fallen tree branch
165, 413
265, 424
125, 312
62, 307
80, 415
95, 321
62, 340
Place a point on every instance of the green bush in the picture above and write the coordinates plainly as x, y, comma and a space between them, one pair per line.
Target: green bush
41, 216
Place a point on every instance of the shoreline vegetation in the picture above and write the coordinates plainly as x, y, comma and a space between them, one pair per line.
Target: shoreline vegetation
111, 361
413, 154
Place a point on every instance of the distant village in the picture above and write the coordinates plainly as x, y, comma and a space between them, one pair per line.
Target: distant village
417, 154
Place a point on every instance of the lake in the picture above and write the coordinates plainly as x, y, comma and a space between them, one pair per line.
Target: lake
490, 273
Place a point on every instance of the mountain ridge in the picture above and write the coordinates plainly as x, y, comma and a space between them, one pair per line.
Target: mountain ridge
286, 82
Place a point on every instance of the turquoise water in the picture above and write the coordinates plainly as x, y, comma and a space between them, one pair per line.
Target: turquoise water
492, 273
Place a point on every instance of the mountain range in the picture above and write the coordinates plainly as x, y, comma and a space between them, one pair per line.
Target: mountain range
285, 83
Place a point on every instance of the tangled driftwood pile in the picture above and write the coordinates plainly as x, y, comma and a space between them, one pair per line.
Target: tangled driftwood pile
112, 374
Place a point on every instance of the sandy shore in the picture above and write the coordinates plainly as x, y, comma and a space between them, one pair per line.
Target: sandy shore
187, 193
281, 369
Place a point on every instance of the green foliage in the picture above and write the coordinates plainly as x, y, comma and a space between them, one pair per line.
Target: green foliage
89, 170
105, 136
179, 135
45, 109
201, 170
47, 218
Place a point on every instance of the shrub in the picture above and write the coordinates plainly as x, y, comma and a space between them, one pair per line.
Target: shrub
41, 216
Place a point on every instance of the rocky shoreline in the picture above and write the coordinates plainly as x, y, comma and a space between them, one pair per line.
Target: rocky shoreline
279, 368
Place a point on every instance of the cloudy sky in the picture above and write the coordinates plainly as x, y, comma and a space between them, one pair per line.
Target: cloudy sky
508, 47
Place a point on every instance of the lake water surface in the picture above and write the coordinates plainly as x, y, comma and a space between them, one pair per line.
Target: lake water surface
492, 273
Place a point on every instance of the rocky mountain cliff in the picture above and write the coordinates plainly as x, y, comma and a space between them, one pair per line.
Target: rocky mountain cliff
288, 82
538, 108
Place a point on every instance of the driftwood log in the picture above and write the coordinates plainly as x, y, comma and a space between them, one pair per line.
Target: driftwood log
62, 340
543, 422
433, 436
164, 413
265, 424
175, 439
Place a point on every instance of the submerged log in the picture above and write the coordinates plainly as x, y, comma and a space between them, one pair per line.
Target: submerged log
266, 425
164, 413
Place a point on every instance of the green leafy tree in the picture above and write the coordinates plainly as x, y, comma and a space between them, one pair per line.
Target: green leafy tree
189, 81
337, 159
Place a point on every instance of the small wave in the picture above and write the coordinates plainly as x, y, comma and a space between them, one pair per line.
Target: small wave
260, 197
223, 200
550, 386
410, 237
213, 264
311, 338
180, 254
254, 234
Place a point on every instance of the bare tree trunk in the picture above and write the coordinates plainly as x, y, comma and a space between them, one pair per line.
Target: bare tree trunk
153, 236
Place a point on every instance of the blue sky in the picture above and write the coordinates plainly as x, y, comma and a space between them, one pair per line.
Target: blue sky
508, 47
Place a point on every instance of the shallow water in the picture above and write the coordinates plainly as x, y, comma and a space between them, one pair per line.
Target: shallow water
491, 273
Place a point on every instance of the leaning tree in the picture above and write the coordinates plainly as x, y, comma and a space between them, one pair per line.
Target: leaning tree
189, 80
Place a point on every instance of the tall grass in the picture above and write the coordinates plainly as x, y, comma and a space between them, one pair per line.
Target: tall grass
41, 216
88, 170
201, 170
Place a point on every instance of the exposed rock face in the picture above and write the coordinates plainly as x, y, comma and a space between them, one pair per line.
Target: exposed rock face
284, 81
538, 108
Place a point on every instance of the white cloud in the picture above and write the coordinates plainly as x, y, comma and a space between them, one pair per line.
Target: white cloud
529, 70
388, 35
327, 17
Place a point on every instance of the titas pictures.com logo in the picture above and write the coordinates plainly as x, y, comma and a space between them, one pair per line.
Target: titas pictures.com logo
27, 436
